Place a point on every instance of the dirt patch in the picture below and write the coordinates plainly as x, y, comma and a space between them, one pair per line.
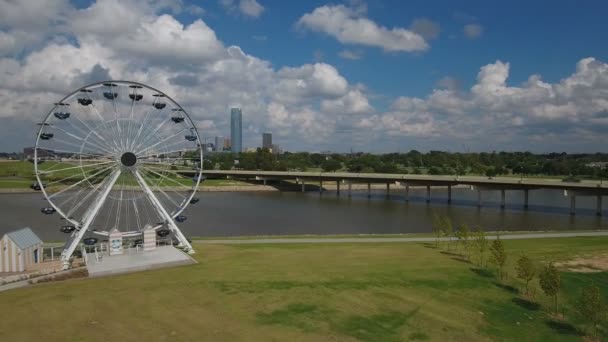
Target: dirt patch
591, 264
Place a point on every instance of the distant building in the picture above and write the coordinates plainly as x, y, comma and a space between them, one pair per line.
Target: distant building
28, 153
219, 144
227, 145
600, 165
276, 149
20, 250
236, 130
267, 140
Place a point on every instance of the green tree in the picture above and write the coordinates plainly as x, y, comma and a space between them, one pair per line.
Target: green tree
491, 172
331, 165
208, 164
437, 228
448, 230
481, 245
591, 307
498, 255
550, 282
463, 235
525, 270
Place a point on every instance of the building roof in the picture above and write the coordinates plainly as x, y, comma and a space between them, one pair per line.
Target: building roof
24, 238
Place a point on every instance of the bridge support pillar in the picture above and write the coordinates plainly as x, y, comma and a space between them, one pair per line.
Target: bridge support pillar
388, 189
502, 198
303, 186
428, 194
407, 192
350, 188
449, 194
598, 211
264, 181
478, 197
526, 199
369, 190
338, 187
320, 186
572, 205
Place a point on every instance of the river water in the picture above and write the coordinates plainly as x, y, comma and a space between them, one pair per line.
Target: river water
292, 213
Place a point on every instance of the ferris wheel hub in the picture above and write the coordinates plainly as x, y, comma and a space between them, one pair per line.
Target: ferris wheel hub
128, 159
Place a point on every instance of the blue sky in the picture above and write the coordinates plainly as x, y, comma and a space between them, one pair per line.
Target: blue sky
536, 37
307, 71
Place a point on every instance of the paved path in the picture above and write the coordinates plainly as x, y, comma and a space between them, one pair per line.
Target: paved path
394, 239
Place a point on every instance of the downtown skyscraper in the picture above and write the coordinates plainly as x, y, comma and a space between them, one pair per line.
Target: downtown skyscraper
236, 130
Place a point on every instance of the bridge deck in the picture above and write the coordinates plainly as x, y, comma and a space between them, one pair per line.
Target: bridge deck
496, 182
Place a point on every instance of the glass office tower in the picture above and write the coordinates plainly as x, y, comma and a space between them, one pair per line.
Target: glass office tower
236, 130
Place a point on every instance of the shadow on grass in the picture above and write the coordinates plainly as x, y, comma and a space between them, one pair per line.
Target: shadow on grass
461, 260
526, 304
429, 245
451, 253
508, 288
482, 272
563, 328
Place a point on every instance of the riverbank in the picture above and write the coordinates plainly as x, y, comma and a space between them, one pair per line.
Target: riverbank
316, 292
393, 238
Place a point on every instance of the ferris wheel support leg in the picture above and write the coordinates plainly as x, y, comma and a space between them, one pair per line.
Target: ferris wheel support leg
183, 242
89, 216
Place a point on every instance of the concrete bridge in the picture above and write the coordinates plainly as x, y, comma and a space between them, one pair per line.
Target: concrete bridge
503, 184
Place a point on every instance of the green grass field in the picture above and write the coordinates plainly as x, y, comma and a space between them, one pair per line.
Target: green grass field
307, 292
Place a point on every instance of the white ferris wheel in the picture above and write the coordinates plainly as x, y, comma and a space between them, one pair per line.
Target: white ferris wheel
118, 155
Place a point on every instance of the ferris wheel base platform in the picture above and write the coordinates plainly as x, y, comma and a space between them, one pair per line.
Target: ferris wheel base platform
161, 257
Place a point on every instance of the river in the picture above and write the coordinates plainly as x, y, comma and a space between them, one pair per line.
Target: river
293, 213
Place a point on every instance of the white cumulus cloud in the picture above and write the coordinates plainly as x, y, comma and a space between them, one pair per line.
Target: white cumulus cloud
351, 27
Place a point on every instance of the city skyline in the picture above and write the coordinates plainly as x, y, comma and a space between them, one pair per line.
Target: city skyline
385, 76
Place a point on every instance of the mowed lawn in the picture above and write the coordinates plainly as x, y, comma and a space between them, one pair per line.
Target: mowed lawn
307, 292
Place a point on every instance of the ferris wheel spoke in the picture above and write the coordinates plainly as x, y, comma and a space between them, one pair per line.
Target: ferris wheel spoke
111, 134
170, 148
136, 211
160, 142
91, 130
143, 124
100, 142
169, 152
156, 203
76, 145
85, 198
150, 137
175, 172
149, 169
74, 153
71, 198
45, 172
81, 139
77, 183
155, 186
131, 118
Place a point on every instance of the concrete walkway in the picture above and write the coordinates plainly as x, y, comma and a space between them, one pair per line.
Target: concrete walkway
395, 239
162, 256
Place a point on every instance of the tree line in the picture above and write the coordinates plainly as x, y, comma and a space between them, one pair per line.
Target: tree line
415, 162
473, 246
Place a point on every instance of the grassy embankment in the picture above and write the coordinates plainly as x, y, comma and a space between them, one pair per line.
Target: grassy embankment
20, 175
309, 292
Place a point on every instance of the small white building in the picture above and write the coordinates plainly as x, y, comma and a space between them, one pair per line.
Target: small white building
20, 250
